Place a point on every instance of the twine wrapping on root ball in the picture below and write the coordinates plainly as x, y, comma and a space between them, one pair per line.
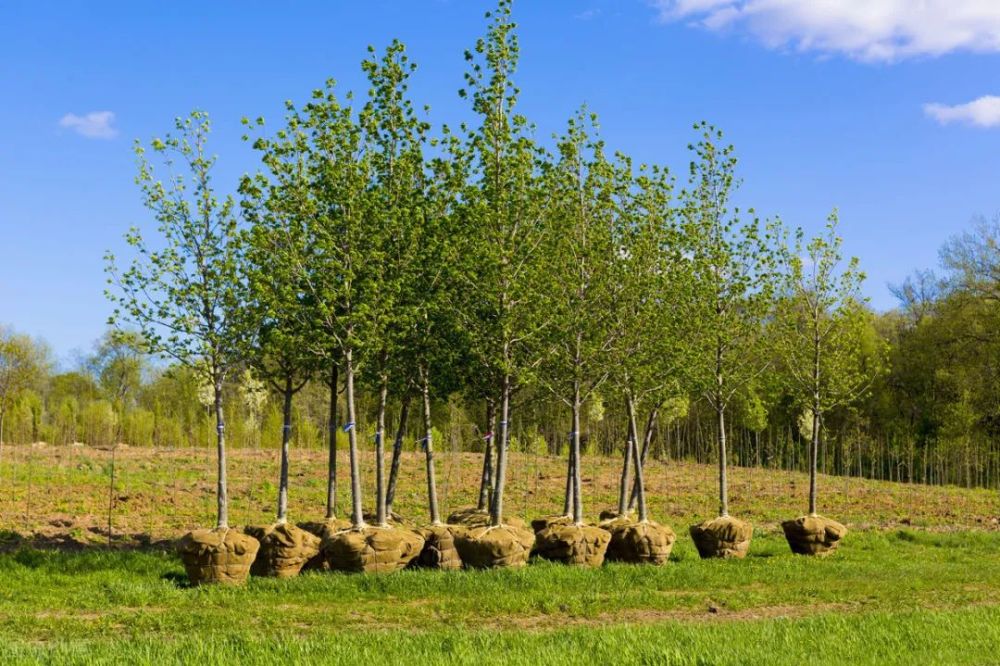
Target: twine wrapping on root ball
473, 517
539, 524
579, 545
220, 555
284, 549
371, 549
813, 535
495, 547
645, 542
724, 536
439, 551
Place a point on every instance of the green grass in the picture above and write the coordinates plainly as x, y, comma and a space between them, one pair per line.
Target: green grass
887, 597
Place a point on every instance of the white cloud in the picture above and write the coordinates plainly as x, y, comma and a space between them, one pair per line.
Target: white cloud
982, 112
94, 125
587, 14
868, 30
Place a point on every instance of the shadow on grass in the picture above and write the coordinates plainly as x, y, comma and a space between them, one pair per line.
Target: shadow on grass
66, 541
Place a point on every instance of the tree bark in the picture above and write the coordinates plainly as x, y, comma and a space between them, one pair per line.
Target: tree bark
397, 454
570, 487
357, 517
646, 442
575, 453
624, 481
633, 440
723, 480
331, 477
486, 479
222, 488
496, 511
383, 396
286, 433
432, 499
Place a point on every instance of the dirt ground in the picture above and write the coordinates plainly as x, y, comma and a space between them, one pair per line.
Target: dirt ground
65, 497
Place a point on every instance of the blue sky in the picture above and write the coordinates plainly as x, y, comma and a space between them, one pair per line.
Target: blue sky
826, 102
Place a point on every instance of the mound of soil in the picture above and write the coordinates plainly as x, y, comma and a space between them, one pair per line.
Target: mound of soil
813, 535
284, 549
724, 536
640, 543
217, 556
579, 545
539, 524
495, 547
473, 517
439, 551
371, 549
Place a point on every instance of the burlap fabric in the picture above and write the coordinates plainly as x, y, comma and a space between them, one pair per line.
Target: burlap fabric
371, 549
722, 537
217, 556
284, 549
579, 545
495, 547
322, 529
439, 551
813, 535
639, 543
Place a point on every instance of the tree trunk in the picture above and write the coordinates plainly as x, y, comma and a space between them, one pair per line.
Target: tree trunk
496, 511
222, 489
397, 454
633, 441
331, 477
813, 452
625, 481
486, 479
432, 499
357, 517
646, 441
575, 453
383, 396
286, 434
723, 481
570, 487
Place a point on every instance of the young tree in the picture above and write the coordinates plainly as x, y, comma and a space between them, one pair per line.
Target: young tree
735, 267
285, 356
822, 325
503, 218
580, 250
185, 296
394, 139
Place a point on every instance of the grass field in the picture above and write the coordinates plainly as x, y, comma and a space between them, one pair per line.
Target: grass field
916, 581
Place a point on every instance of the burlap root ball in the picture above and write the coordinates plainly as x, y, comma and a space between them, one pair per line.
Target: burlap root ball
539, 524
579, 545
284, 549
495, 547
644, 542
220, 555
813, 535
439, 551
473, 517
371, 549
322, 529
724, 536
